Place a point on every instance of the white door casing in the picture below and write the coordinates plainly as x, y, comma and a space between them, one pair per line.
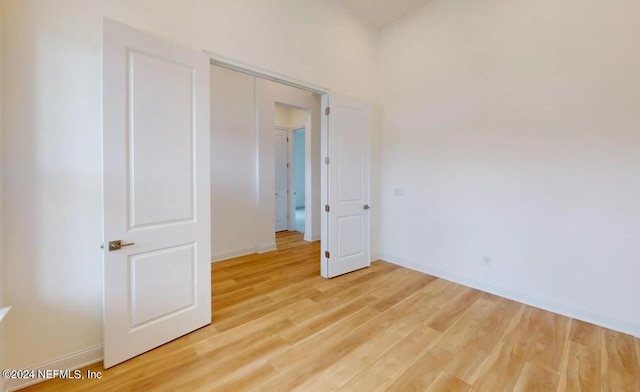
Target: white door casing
156, 191
282, 179
346, 190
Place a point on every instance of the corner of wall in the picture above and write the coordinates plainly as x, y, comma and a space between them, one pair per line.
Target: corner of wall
548, 304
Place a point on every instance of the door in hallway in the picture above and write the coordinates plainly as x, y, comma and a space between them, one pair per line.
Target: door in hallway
282, 179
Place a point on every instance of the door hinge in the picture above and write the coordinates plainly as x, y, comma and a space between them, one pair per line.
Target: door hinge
287, 165
326, 207
326, 254
287, 140
326, 160
327, 110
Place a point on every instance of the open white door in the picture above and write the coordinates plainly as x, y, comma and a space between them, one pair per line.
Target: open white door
346, 150
282, 179
157, 282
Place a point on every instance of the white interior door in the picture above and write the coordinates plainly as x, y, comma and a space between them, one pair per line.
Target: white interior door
346, 145
282, 179
156, 192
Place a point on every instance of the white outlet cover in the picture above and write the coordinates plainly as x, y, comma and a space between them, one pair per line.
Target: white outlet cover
398, 192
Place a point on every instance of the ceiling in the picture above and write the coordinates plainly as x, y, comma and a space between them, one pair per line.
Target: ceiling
383, 12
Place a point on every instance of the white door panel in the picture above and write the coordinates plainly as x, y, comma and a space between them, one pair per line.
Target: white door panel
282, 180
346, 224
156, 192
157, 197
349, 236
162, 283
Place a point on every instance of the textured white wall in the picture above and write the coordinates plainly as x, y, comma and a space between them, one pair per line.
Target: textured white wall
52, 133
513, 129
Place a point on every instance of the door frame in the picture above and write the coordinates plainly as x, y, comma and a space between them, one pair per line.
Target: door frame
308, 185
229, 63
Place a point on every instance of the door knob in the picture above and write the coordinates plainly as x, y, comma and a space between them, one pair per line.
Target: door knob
366, 206
117, 244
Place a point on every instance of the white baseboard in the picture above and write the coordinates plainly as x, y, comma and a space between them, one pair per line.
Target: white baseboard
605, 321
267, 248
72, 361
309, 238
4, 311
246, 251
233, 253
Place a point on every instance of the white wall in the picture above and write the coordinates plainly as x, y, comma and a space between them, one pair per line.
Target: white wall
281, 115
233, 164
2, 303
52, 127
289, 117
297, 118
513, 128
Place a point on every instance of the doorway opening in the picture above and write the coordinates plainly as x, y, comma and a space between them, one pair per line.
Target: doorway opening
252, 189
290, 168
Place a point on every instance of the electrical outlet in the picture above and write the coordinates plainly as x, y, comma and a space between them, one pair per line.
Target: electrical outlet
398, 192
486, 261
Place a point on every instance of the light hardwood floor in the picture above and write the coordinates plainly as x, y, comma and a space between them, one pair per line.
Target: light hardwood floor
278, 326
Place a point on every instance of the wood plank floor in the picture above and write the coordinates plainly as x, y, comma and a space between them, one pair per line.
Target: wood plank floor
278, 326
